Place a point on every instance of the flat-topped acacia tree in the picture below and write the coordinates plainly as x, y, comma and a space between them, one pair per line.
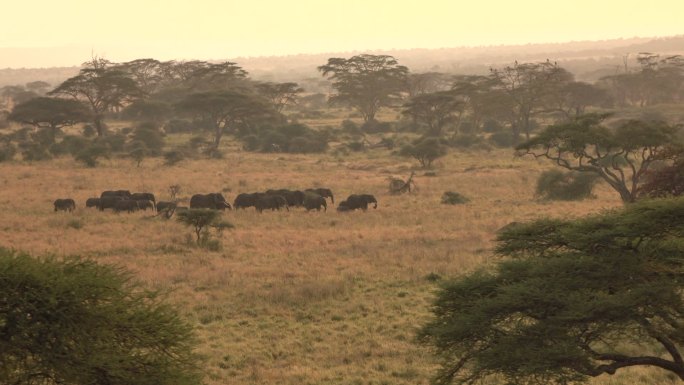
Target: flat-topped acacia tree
366, 82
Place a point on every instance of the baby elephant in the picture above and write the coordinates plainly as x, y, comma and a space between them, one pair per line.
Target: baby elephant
67, 204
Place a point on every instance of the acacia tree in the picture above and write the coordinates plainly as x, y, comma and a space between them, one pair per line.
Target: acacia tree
526, 85
53, 113
569, 300
434, 110
102, 88
366, 82
280, 94
78, 322
620, 156
225, 109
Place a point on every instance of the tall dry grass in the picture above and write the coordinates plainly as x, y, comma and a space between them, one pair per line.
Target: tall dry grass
295, 297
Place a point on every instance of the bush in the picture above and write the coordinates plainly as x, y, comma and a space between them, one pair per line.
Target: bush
89, 131
292, 138
454, 198
349, 127
151, 137
74, 321
31, 151
502, 139
565, 186
425, 150
7, 151
114, 143
90, 154
376, 127
492, 126
178, 126
173, 157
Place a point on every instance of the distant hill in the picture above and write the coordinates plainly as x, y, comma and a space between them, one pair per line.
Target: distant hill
588, 60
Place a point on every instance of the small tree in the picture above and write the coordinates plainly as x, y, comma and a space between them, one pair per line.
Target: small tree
52, 113
570, 300
78, 322
200, 220
426, 150
565, 186
667, 181
620, 156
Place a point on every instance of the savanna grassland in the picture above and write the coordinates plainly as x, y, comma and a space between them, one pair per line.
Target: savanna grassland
295, 297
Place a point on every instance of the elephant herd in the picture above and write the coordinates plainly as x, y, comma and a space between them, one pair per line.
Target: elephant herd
310, 199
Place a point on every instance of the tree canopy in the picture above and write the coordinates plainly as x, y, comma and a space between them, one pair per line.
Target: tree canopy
620, 156
81, 323
569, 300
366, 82
102, 87
53, 113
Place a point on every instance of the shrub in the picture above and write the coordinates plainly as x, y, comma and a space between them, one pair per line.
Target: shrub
502, 139
349, 127
454, 198
173, 157
89, 155
425, 150
31, 151
114, 143
492, 126
7, 151
565, 186
375, 127
151, 137
178, 126
666, 181
293, 138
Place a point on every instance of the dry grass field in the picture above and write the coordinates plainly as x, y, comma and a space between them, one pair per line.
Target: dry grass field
295, 297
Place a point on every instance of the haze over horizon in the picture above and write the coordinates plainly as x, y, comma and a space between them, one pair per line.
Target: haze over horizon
214, 29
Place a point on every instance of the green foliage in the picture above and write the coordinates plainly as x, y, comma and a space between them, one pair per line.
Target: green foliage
292, 138
620, 156
178, 126
568, 301
7, 151
565, 186
78, 322
466, 141
51, 113
151, 137
137, 150
90, 154
454, 198
173, 157
425, 150
201, 220
366, 82
33, 151
375, 127
502, 139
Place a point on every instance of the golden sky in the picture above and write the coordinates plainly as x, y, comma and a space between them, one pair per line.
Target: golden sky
214, 29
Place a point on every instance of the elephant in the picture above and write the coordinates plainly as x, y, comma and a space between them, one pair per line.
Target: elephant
324, 192
165, 205
360, 201
273, 202
67, 204
314, 201
93, 202
143, 196
108, 202
214, 201
294, 198
244, 200
167, 209
118, 193
144, 204
343, 206
126, 205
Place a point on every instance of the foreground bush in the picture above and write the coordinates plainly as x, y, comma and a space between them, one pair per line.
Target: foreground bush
78, 322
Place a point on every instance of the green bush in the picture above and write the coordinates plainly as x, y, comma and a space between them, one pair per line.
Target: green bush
173, 157
292, 138
178, 126
151, 137
425, 150
565, 186
376, 127
454, 198
31, 151
90, 154
502, 139
7, 151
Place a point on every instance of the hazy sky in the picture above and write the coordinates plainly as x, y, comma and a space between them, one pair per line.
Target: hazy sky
217, 29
